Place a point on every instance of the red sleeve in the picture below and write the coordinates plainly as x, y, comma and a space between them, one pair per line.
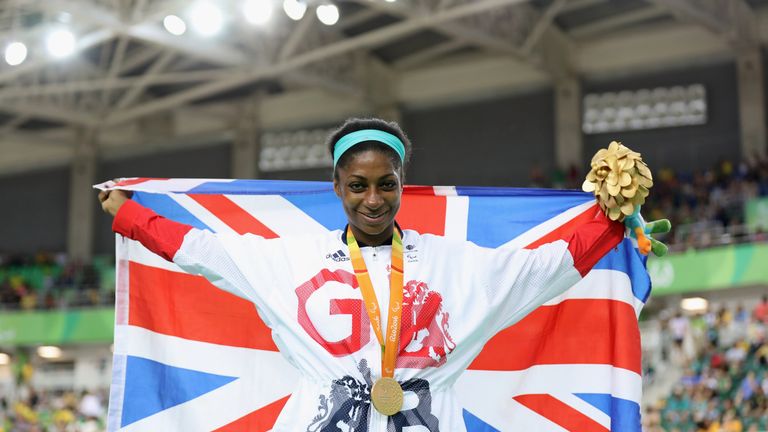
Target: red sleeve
158, 234
593, 240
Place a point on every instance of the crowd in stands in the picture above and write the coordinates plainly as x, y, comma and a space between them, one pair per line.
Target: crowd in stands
706, 207
54, 412
45, 281
725, 384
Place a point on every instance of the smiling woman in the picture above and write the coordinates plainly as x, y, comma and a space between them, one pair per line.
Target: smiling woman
369, 172
379, 342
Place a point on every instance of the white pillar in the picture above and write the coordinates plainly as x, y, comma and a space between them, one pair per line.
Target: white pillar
246, 146
568, 138
751, 102
82, 197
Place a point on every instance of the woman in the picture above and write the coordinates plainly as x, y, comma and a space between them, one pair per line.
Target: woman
414, 330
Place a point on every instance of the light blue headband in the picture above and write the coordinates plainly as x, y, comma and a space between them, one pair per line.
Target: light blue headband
351, 139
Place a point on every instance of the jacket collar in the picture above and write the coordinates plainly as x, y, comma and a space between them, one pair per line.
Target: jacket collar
361, 244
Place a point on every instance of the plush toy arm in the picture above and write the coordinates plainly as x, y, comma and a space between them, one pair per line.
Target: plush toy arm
642, 231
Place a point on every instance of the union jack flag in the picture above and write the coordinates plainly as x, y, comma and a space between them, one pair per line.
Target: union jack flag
191, 357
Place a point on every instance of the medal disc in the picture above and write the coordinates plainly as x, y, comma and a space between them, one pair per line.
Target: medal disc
387, 396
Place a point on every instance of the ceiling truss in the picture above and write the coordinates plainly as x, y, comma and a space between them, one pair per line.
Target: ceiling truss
131, 68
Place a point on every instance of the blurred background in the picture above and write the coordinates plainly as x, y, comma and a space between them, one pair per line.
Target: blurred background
491, 92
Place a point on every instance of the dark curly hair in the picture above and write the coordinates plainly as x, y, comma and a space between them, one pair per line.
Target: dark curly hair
356, 124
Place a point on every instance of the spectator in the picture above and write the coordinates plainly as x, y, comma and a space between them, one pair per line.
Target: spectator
760, 312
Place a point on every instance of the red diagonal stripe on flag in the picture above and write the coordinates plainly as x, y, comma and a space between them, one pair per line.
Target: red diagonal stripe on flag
559, 412
135, 181
260, 420
590, 331
423, 213
233, 215
566, 229
189, 307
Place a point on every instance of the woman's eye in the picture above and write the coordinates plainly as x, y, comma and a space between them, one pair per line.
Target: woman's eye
356, 186
389, 185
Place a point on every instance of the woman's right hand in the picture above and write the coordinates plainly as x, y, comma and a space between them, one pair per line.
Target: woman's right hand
112, 200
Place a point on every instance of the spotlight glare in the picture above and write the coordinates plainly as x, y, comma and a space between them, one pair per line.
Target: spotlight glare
390, 1
328, 14
15, 53
694, 304
174, 25
4, 359
60, 43
49, 352
257, 12
295, 9
206, 19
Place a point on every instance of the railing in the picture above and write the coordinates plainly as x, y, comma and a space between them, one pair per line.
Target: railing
705, 234
67, 298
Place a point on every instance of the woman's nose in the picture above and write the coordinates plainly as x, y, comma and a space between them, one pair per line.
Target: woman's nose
373, 198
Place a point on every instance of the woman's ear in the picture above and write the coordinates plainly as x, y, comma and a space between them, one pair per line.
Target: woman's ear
337, 187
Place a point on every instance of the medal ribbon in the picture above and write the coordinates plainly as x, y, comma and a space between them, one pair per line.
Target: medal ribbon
390, 342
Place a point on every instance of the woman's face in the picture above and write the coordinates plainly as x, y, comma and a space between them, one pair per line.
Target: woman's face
370, 187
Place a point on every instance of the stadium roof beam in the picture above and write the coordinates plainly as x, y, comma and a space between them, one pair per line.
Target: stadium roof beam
297, 35
114, 66
428, 54
52, 113
33, 139
733, 20
366, 40
308, 78
454, 30
137, 89
617, 21
544, 22
554, 43
92, 85
11, 125
140, 58
573, 5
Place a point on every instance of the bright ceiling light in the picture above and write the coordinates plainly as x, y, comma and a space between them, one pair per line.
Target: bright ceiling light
4, 359
60, 43
49, 352
694, 304
206, 18
257, 12
174, 25
295, 9
328, 14
390, 1
15, 53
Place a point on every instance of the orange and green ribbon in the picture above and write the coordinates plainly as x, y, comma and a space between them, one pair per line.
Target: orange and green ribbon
389, 341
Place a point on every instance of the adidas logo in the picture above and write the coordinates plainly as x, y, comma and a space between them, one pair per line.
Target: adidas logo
338, 256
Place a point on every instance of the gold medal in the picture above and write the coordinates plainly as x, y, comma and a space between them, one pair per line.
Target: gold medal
386, 393
387, 396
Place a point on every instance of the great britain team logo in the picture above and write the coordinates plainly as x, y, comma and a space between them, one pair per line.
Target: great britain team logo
424, 337
347, 406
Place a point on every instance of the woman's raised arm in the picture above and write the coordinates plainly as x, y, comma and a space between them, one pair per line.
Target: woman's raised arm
196, 251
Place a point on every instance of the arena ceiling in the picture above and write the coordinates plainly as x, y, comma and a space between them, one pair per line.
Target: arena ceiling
135, 87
